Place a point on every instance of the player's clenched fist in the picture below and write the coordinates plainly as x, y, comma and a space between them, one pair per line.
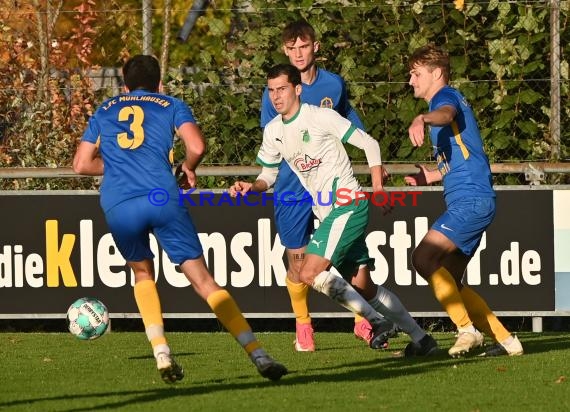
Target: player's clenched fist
416, 131
185, 177
239, 187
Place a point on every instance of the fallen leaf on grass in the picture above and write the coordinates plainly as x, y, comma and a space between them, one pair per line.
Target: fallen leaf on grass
560, 379
501, 369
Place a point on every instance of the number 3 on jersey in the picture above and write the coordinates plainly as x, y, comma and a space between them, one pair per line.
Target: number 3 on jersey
135, 115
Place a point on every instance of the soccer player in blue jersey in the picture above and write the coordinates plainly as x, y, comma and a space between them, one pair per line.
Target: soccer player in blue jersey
294, 219
133, 133
463, 167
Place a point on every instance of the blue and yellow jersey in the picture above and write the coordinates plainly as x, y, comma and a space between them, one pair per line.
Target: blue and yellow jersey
458, 150
328, 90
135, 130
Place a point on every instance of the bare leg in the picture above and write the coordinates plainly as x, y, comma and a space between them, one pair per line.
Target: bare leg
229, 314
314, 272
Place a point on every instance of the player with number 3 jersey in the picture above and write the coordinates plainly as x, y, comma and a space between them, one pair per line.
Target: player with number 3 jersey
133, 133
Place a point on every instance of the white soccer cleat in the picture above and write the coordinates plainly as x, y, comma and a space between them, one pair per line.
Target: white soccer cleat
169, 370
465, 342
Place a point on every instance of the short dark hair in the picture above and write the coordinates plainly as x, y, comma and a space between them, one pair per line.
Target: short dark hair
433, 57
142, 72
293, 74
298, 29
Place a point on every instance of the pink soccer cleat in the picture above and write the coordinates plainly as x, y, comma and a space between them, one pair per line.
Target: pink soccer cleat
304, 341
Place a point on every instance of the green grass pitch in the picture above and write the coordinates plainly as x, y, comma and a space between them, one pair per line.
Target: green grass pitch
56, 372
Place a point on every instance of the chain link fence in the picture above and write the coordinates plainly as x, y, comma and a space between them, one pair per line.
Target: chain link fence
509, 58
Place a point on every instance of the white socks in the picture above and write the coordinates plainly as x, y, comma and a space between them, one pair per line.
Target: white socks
162, 348
388, 304
342, 292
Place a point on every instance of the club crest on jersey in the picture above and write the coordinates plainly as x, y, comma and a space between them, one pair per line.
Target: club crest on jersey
442, 163
327, 103
306, 164
306, 136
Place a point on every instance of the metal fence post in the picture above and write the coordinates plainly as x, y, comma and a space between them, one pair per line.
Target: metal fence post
555, 79
147, 27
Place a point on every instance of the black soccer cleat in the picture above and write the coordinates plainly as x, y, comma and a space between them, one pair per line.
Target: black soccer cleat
380, 336
427, 346
512, 349
269, 368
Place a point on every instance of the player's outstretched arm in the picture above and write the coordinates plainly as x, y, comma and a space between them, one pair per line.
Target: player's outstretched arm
424, 177
195, 146
376, 173
379, 176
442, 116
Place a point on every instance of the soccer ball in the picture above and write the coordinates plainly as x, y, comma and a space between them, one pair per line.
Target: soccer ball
87, 318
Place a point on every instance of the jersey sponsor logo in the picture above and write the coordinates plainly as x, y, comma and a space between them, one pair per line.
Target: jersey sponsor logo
445, 227
306, 164
327, 102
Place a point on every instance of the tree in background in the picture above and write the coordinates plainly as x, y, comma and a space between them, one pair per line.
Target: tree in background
46, 94
500, 53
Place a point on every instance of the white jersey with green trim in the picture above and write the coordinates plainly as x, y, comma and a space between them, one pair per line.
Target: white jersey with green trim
311, 142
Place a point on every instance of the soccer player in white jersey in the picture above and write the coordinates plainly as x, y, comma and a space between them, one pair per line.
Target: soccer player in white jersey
294, 219
310, 139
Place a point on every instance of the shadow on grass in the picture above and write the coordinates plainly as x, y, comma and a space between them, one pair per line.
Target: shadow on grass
150, 356
376, 369
532, 342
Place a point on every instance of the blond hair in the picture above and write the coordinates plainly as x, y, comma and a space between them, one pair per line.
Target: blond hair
433, 57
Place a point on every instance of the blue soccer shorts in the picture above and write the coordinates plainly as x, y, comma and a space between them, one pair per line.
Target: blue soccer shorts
294, 218
132, 220
465, 220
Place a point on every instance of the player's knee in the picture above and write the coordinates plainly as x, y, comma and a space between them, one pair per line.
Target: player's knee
419, 261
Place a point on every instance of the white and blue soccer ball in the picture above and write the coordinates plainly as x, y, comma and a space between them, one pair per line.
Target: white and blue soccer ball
87, 318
